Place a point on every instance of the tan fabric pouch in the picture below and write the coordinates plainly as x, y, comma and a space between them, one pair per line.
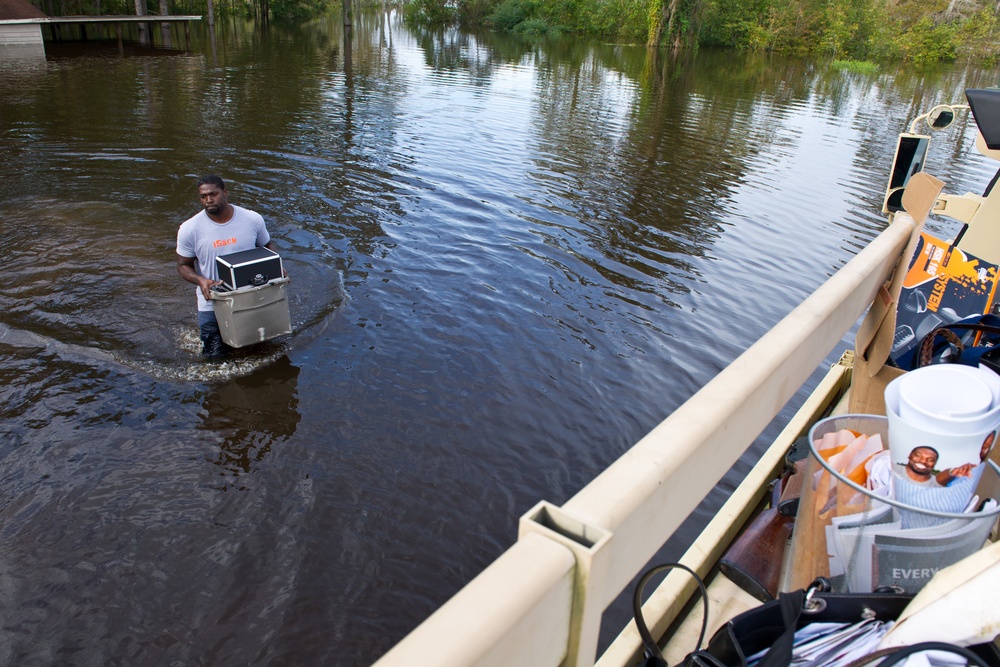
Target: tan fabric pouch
874, 339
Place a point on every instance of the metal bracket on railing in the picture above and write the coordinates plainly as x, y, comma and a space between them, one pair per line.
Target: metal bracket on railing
958, 207
588, 544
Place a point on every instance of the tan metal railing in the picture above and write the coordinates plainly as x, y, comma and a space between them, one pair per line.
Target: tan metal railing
540, 603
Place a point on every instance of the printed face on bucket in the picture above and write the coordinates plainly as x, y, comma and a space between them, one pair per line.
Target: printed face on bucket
987, 445
921, 463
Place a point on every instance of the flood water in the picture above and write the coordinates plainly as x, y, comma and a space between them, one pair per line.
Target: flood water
509, 261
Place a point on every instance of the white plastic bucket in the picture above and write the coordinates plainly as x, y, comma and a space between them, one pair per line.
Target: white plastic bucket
943, 394
952, 410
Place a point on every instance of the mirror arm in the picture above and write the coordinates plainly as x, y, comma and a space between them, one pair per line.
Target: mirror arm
925, 116
958, 207
916, 121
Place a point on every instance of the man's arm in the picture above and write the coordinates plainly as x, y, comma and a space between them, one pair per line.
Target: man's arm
262, 232
946, 477
284, 271
185, 269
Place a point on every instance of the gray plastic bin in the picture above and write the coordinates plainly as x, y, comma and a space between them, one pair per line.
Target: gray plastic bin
252, 314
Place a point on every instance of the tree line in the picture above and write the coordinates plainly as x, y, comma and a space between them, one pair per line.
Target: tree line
918, 31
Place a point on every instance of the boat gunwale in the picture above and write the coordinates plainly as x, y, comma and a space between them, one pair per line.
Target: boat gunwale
669, 599
644, 496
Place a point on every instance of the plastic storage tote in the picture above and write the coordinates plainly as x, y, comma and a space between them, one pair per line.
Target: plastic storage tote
252, 314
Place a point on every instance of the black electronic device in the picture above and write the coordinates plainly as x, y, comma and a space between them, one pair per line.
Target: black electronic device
985, 105
911, 151
249, 268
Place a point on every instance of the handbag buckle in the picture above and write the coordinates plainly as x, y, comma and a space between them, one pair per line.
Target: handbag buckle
812, 604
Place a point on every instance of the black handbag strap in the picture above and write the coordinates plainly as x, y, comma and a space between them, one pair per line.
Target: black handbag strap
651, 649
780, 653
791, 605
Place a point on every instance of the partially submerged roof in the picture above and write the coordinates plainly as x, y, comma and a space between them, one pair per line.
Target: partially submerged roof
19, 9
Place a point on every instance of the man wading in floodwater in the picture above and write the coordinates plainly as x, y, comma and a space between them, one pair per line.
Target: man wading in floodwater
220, 229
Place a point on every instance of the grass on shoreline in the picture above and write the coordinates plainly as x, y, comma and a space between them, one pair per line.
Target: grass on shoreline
857, 66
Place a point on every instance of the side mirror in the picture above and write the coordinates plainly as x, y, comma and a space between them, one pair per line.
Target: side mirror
941, 117
911, 152
938, 118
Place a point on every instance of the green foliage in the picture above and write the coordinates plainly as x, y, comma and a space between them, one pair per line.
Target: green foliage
475, 13
926, 42
751, 25
687, 23
745, 35
297, 10
430, 12
977, 35
622, 20
838, 29
534, 27
920, 31
608, 19
906, 13
509, 15
851, 31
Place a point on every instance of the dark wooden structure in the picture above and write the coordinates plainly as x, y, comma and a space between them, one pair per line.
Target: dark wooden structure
19, 9
21, 22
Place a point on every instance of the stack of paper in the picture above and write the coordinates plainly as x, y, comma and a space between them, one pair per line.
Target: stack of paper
832, 644
848, 453
873, 549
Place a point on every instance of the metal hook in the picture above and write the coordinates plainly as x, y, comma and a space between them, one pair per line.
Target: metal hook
814, 605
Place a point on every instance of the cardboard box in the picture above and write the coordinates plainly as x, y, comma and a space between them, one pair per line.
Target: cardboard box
943, 285
249, 268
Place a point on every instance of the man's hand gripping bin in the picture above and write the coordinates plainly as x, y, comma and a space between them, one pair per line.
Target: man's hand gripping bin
252, 314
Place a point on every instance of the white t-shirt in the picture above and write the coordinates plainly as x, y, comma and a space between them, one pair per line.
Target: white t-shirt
204, 239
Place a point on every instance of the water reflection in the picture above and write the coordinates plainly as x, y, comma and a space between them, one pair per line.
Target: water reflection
251, 413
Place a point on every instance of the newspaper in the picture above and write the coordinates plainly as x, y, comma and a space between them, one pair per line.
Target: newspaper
872, 549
